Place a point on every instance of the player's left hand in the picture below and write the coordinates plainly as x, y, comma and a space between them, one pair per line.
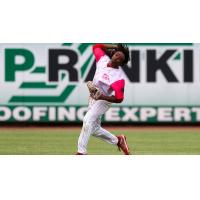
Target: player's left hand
96, 95
94, 91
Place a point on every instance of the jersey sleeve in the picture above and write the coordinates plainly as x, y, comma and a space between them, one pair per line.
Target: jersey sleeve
118, 88
98, 51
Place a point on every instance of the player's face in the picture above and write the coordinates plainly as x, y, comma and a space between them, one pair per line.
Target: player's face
118, 58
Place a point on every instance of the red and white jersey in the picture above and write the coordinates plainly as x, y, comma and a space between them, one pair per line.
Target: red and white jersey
109, 80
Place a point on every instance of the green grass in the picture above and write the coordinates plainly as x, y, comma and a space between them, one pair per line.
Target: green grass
63, 141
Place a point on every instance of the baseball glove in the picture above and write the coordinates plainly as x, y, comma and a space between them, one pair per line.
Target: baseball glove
94, 91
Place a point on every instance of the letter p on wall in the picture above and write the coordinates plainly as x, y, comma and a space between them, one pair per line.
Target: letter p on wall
12, 65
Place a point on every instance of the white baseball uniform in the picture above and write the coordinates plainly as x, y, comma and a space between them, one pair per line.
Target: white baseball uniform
110, 81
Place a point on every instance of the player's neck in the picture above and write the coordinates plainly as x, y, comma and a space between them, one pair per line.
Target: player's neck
112, 65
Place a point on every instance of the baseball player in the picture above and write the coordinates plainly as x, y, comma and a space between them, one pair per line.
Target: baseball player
106, 88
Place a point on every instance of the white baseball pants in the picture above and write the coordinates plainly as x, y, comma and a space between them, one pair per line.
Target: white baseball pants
92, 125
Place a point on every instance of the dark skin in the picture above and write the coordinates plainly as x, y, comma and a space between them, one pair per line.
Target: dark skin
116, 61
